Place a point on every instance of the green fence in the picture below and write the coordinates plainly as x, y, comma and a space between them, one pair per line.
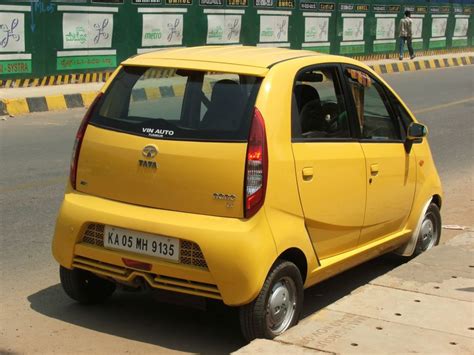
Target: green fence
50, 37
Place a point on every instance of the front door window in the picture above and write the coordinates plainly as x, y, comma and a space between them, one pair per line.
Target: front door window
319, 107
372, 108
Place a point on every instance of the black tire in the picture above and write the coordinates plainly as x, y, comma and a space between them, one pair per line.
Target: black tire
429, 237
254, 316
85, 287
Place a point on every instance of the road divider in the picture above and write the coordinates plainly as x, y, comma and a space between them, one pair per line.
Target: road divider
21, 106
58, 102
422, 64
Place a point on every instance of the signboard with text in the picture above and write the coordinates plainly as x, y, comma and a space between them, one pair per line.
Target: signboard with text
82, 30
222, 29
385, 28
316, 29
12, 32
353, 29
162, 30
274, 28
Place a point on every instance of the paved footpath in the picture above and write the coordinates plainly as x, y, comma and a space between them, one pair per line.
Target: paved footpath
424, 306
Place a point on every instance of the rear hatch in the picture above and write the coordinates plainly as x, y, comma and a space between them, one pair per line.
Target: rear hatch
170, 139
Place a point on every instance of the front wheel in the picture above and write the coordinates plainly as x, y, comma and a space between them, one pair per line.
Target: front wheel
278, 305
430, 231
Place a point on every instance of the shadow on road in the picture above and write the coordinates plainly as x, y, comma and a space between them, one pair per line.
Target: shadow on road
142, 317
331, 290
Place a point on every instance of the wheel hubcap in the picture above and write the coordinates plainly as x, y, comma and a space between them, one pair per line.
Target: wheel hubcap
428, 233
281, 305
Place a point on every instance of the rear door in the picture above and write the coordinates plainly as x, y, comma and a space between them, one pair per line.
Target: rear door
391, 171
170, 139
329, 162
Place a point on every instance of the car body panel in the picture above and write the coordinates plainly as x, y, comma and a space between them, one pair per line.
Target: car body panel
237, 271
185, 178
218, 57
282, 203
334, 198
428, 188
391, 176
199, 65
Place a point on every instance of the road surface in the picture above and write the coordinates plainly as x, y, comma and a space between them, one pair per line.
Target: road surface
36, 316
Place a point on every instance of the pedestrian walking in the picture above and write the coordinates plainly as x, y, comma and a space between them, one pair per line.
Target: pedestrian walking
406, 33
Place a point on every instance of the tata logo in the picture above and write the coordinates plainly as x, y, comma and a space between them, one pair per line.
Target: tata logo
150, 151
147, 164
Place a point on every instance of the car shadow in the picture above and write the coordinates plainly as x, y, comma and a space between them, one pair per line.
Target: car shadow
335, 288
144, 317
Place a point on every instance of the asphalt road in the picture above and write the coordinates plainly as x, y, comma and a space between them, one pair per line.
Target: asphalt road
36, 316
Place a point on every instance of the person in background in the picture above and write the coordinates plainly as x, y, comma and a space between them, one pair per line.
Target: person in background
406, 34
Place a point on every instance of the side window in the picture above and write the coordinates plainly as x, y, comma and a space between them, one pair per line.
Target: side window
403, 116
372, 108
318, 106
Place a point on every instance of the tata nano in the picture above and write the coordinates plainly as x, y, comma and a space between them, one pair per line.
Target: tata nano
243, 175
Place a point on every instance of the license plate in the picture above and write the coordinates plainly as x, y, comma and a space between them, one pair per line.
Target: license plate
141, 243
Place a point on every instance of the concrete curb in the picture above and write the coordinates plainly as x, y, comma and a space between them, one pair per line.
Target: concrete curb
21, 106
97, 77
423, 64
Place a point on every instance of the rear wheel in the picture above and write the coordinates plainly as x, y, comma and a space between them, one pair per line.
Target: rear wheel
278, 305
85, 287
430, 231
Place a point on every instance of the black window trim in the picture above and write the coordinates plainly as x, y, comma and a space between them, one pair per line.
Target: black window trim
341, 82
398, 106
390, 108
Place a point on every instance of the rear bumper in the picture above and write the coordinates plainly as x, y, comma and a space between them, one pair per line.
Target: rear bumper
238, 253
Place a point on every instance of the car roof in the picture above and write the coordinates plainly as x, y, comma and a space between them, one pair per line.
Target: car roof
258, 57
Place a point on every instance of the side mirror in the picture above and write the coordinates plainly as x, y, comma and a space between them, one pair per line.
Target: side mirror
415, 134
416, 131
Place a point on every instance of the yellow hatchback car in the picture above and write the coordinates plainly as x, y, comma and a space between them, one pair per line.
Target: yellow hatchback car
245, 175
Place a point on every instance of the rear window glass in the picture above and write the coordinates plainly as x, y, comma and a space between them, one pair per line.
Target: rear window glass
178, 104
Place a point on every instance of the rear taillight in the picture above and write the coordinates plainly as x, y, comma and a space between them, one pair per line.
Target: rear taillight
78, 142
256, 166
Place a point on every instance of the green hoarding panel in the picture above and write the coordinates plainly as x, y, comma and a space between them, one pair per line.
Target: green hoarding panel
384, 47
317, 26
353, 27
440, 17
385, 19
43, 37
461, 27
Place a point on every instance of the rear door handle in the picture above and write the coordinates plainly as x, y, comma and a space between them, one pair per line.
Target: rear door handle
308, 174
374, 169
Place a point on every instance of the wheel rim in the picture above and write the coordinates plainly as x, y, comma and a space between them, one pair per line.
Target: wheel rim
428, 232
281, 305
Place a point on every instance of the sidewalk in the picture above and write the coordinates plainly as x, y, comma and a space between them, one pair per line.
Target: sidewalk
20, 101
424, 306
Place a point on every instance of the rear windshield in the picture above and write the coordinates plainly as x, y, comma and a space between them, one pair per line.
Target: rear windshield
178, 104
